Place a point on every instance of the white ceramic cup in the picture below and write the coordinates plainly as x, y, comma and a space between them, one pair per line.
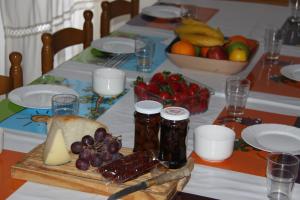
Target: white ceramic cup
213, 143
108, 82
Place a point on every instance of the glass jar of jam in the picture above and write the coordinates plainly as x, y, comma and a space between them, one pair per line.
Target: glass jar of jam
173, 132
147, 124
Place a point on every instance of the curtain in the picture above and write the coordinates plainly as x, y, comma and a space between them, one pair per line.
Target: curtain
2, 47
24, 21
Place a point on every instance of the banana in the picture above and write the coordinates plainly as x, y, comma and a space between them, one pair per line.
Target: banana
191, 21
199, 29
201, 40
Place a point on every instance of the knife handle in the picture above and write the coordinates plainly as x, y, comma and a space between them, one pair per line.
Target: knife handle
174, 175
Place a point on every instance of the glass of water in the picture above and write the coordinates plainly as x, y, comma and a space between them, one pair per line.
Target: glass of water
236, 93
65, 104
273, 42
144, 52
282, 171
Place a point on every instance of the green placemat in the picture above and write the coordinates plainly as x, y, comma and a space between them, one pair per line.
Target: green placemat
8, 109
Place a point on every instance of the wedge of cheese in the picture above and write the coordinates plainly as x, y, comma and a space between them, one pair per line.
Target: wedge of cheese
62, 132
56, 152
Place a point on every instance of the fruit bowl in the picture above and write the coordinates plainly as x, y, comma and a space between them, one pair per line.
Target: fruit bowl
207, 64
172, 89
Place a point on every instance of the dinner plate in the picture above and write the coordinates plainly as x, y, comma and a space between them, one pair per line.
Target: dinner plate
291, 72
163, 11
273, 137
118, 45
37, 96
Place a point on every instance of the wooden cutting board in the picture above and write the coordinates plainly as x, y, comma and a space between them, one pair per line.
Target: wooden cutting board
68, 176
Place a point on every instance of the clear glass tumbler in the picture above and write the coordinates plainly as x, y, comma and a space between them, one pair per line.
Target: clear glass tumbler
272, 43
236, 93
65, 104
282, 171
144, 51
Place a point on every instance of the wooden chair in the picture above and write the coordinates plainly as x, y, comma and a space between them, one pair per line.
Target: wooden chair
53, 43
15, 78
114, 9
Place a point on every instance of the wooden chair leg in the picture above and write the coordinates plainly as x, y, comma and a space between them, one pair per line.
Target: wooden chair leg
47, 53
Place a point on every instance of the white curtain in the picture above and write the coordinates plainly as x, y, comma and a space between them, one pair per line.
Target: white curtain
25, 20
2, 47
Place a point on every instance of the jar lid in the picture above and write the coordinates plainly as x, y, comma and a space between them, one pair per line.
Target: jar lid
148, 107
175, 113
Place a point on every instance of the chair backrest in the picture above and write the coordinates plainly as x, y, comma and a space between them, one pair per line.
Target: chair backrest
53, 43
15, 78
114, 9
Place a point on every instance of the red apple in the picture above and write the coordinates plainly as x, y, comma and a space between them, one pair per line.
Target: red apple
217, 53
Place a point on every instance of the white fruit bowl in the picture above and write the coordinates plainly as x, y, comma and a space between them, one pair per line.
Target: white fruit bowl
206, 64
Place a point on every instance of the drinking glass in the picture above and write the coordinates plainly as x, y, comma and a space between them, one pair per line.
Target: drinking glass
144, 51
282, 171
236, 93
273, 42
65, 104
295, 9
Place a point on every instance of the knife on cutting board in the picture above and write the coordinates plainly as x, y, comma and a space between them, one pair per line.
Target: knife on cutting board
297, 122
185, 171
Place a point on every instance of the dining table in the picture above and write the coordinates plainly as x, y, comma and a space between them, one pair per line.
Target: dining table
272, 98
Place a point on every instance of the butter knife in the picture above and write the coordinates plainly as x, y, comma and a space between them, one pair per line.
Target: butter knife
166, 177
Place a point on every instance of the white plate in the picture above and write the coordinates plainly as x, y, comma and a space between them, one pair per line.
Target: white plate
37, 96
117, 45
291, 72
273, 137
164, 12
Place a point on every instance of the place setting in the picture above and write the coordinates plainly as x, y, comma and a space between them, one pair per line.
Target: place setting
125, 51
275, 73
168, 15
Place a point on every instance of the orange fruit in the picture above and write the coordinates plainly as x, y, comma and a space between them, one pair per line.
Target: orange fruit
238, 38
184, 48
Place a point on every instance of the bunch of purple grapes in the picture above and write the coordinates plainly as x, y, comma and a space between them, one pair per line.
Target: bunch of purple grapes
98, 150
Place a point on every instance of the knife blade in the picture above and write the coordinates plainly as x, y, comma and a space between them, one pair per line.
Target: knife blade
297, 122
163, 178
128, 190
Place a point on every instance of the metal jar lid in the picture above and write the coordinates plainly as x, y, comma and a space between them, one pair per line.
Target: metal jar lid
175, 113
148, 107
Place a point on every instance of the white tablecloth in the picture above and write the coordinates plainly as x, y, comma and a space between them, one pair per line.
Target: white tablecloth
233, 18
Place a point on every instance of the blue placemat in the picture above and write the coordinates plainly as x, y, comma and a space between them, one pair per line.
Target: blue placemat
24, 120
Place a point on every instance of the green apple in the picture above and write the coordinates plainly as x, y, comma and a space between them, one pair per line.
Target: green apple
237, 45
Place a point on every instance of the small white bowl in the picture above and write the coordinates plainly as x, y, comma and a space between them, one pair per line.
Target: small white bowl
108, 82
213, 143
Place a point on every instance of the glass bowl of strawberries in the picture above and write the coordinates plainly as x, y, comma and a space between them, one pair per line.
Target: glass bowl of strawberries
173, 89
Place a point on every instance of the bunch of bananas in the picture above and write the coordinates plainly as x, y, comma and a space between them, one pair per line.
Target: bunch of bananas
199, 33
